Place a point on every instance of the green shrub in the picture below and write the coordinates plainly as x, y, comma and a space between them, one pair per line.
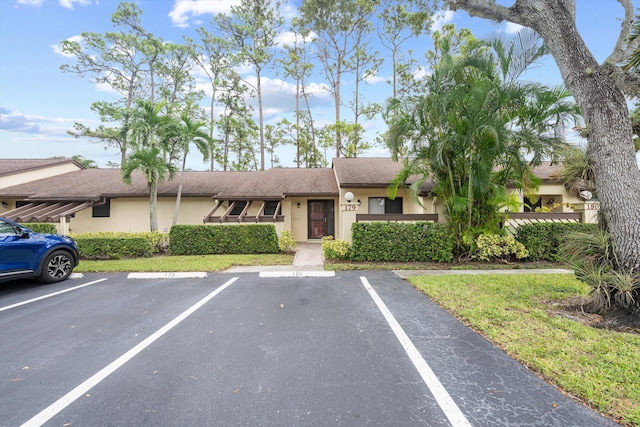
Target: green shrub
492, 247
159, 241
286, 243
42, 227
396, 241
113, 247
339, 250
223, 239
593, 259
543, 240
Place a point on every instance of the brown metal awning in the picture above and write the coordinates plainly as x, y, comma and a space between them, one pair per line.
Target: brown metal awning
47, 211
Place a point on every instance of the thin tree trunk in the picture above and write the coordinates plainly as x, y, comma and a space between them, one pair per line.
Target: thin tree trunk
153, 207
179, 196
260, 115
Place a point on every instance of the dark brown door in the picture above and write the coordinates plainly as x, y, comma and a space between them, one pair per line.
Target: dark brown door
320, 218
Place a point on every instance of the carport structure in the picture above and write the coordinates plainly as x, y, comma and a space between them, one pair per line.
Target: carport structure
50, 211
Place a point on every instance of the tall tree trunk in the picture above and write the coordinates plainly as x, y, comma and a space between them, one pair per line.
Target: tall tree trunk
260, 116
297, 123
153, 207
602, 104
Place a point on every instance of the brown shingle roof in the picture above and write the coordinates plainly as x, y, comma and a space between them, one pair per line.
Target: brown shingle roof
91, 184
372, 172
12, 166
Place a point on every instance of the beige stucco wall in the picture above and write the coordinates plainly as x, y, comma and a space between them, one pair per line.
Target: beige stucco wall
28, 176
11, 204
132, 214
347, 216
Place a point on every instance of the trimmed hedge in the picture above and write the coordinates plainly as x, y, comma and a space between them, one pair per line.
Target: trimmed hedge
159, 241
42, 227
396, 241
113, 248
223, 239
542, 240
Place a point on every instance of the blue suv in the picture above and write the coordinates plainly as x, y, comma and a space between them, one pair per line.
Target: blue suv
25, 253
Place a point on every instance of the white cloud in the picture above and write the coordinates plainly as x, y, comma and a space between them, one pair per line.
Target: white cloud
289, 38
57, 49
375, 79
441, 18
182, 9
511, 28
70, 3
30, 2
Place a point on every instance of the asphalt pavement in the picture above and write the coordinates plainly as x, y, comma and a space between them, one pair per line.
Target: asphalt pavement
355, 349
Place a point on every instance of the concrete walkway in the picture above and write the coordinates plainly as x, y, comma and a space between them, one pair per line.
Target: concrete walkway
308, 258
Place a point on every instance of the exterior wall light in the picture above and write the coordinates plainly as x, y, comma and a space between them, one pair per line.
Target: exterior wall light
298, 205
348, 196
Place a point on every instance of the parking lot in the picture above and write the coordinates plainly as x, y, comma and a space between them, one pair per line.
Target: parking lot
360, 348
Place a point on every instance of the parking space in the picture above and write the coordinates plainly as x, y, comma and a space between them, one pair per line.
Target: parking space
245, 350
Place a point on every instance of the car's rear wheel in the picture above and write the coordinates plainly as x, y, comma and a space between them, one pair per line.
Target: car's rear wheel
57, 266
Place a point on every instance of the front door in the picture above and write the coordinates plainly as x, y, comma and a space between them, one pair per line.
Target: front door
320, 218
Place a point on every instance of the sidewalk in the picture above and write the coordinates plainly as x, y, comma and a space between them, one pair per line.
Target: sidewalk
308, 258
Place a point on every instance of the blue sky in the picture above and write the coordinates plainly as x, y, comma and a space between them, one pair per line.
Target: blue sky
39, 103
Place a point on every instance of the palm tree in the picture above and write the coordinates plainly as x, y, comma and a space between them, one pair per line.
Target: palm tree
189, 131
148, 124
477, 129
150, 162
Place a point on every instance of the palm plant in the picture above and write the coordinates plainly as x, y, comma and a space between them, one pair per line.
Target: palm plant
147, 123
150, 162
476, 130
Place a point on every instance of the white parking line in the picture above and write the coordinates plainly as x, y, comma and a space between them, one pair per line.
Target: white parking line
66, 400
7, 307
443, 398
169, 275
284, 274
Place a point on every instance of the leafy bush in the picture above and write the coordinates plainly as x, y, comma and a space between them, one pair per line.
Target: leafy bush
42, 227
223, 239
491, 247
113, 247
286, 243
396, 241
336, 249
159, 241
542, 240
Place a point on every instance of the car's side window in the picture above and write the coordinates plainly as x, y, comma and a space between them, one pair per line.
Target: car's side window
6, 229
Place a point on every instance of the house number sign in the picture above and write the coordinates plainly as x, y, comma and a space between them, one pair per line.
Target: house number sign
350, 206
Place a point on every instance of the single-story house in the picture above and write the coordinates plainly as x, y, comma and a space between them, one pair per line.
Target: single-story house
311, 203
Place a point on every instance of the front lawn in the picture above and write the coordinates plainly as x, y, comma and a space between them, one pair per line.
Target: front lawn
520, 314
181, 263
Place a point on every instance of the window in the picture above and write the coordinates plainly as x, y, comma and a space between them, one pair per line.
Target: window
385, 205
531, 204
101, 211
270, 209
237, 209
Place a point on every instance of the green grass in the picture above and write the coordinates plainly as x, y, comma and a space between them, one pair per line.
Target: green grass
181, 263
602, 367
350, 265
